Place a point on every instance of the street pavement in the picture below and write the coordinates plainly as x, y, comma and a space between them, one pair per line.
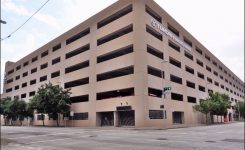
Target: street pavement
214, 137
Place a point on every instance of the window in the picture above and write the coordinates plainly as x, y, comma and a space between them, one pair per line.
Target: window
190, 84
23, 95
18, 67
226, 80
33, 81
78, 99
44, 53
187, 41
174, 62
214, 63
154, 52
200, 63
80, 116
173, 30
8, 90
209, 80
43, 78
199, 50
177, 97
155, 114
215, 73
24, 74
227, 89
32, 93
173, 45
56, 60
77, 67
189, 69
210, 91
34, 59
201, 88
56, 47
208, 68
152, 13
207, 57
176, 79
26, 63
17, 77
55, 74
78, 82
216, 83
16, 87
191, 99
188, 55
221, 77
24, 84
10, 80
115, 73
116, 53
155, 72
220, 68
33, 70
43, 66
115, 93
154, 92
225, 71
78, 36
115, 16
10, 72
200, 75
153, 32
78, 51
115, 35
222, 86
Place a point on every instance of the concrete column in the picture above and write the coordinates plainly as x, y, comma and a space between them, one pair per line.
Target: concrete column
115, 118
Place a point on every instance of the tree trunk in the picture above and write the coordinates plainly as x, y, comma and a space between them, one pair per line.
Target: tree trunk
206, 118
57, 121
43, 119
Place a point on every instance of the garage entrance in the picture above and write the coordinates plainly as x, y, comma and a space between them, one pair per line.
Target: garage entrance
126, 118
106, 118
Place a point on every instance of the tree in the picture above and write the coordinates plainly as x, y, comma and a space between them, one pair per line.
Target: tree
52, 100
241, 108
4, 108
13, 109
204, 107
215, 104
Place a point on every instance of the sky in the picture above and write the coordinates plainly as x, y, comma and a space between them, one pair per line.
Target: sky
217, 24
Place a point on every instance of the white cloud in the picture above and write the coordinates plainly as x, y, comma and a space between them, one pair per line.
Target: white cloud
10, 6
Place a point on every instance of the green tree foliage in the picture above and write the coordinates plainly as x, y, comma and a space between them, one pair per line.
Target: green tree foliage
216, 104
13, 110
241, 109
52, 100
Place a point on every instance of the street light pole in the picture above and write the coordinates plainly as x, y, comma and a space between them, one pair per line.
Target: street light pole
163, 95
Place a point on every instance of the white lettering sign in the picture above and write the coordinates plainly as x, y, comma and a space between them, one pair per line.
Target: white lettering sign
167, 32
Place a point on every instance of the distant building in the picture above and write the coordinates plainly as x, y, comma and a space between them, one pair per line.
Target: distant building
117, 64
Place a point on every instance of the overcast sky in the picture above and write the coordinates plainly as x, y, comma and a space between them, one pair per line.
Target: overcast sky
217, 24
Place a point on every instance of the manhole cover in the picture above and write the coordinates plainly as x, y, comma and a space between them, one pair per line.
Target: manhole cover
162, 139
210, 141
234, 140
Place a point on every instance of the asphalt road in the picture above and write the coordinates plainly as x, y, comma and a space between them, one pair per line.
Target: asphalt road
215, 137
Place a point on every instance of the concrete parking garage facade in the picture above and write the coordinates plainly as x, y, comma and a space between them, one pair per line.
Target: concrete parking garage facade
118, 62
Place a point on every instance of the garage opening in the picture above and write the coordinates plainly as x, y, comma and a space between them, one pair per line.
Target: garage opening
178, 117
106, 118
126, 118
